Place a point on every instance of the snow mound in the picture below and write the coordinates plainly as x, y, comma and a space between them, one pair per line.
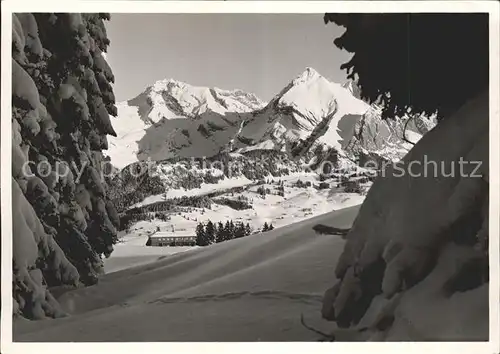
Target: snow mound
249, 289
420, 240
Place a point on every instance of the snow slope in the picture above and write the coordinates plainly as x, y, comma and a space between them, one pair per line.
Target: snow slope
249, 289
129, 129
204, 189
421, 239
298, 204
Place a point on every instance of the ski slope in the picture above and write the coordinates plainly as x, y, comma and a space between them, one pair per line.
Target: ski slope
249, 289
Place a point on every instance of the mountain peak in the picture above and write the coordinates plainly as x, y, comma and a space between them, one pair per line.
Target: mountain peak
315, 96
165, 83
307, 75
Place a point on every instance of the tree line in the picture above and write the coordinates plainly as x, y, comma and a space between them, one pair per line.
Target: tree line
220, 232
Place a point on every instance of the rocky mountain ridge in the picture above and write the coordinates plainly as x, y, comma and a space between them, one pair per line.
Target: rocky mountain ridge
309, 117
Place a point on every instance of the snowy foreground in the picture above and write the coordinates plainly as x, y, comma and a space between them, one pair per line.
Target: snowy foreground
249, 289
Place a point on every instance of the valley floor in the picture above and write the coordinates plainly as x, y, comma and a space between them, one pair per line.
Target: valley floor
251, 289
299, 204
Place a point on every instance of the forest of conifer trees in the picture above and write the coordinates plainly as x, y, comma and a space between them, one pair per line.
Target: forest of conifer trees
209, 233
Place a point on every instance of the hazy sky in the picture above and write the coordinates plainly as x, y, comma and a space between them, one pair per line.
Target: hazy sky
258, 53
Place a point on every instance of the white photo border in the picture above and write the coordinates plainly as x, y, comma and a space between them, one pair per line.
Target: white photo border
14, 6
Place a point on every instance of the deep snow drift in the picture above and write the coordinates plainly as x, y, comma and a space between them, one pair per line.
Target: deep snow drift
249, 289
419, 245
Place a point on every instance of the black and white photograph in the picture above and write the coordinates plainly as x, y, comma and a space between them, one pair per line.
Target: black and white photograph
250, 176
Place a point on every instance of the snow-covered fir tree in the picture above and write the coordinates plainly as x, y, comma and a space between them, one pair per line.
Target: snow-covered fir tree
219, 236
210, 233
200, 235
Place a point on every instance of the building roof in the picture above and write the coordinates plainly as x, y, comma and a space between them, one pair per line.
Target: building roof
170, 234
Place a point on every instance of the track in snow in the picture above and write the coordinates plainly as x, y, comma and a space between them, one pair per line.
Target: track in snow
250, 289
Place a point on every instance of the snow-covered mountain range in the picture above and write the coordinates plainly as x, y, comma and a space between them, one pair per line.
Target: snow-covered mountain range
171, 119
309, 106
